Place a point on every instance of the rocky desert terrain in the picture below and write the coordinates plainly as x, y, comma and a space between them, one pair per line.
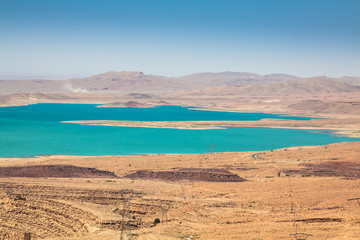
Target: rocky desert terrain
229, 91
247, 195
251, 195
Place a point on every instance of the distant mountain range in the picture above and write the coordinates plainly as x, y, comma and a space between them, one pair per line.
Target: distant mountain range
126, 81
233, 78
213, 84
274, 88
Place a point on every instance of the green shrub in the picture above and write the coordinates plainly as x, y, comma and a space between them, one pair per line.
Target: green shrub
156, 221
306, 175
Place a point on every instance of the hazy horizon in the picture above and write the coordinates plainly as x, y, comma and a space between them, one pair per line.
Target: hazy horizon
34, 76
175, 38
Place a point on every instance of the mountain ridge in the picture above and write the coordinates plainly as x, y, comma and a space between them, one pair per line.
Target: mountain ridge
136, 81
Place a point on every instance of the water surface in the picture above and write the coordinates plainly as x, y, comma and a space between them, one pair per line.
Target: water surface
36, 130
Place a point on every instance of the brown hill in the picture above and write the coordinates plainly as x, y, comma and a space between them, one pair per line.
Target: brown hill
128, 104
104, 82
350, 80
138, 85
329, 169
287, 88
221, 78
195, 174
126, 81
18, 99
58, 171
233, 78
317, 106
309, 86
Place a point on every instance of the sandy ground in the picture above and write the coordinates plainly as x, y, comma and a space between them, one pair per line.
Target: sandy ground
264, 207
282, 194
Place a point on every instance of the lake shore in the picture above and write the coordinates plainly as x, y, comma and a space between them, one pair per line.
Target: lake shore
314, 182
348, 127
342, 111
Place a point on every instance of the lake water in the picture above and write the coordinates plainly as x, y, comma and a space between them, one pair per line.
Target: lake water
36, 130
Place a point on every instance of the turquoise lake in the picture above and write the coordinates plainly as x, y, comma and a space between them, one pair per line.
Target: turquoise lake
32, 130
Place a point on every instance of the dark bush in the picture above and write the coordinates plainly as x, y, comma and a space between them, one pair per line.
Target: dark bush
156, 221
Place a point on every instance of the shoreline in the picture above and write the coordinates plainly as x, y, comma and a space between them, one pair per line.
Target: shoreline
334, 123
238, 109
56, 156
349, 128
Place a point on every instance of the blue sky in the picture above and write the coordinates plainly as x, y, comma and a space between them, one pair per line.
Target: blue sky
177, 37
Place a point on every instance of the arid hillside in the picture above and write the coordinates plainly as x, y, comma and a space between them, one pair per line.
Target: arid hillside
234, 78
312, 106
127, 81
278, 88
124, 82
251, 195
225, 91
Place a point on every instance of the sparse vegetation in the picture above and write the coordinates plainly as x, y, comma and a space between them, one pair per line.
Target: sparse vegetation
258, 198
156, 221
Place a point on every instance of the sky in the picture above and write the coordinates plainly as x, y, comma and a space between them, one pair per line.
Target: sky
178, 37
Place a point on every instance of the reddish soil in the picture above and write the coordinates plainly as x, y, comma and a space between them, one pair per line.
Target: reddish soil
315, 220
58, 171
195, 174
329, 169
